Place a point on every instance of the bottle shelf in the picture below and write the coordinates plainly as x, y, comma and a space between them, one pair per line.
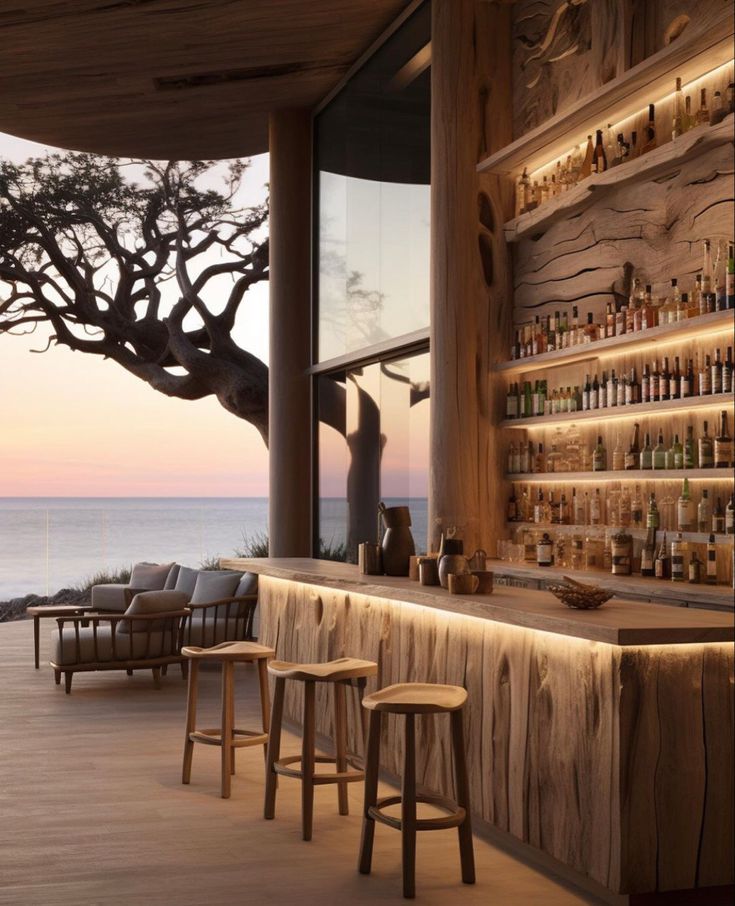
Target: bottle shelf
696, 52
665, 407
701, 326
674, 153
622, 475
656, 590
636, 532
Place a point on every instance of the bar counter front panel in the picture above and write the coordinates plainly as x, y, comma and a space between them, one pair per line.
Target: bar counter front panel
603, 738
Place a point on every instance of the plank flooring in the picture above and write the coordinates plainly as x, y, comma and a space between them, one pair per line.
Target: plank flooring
92, 810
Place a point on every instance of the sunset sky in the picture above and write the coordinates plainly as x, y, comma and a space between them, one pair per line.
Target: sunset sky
77, 425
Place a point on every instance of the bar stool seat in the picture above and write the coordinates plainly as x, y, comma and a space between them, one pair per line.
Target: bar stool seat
416, 698
227, 736
342, 672
410, 699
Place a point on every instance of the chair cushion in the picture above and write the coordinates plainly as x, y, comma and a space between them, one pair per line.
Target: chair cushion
150, 576
248, 585
152, 602
109, 597
214, 585
171, 578
134, 646
186, 580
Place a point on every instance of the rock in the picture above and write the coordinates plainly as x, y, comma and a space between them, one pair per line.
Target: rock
15, 609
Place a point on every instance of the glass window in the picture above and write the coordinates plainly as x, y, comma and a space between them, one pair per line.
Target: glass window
373, 446
373, 172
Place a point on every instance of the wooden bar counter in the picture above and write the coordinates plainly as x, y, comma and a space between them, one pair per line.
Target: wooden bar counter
602, 739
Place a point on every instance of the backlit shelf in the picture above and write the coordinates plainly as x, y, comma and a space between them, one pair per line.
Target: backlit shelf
622, 475
692, 328
638, 410
635, 531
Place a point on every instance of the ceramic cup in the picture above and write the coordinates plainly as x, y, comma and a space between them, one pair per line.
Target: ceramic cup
370, 559
485, 578
463, 584
413, 568
428, 571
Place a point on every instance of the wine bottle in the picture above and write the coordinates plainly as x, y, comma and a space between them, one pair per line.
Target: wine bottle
632, 457
723, 444
730, 276
677, 121
589, 154
646, 459
695, 569
718, 518
702, 116
648, 553
685, 509
711, 573
659, 452
705, 450
677, 558
690, 450
707, 267
727, 372
704, 513
599, 158
586, 390
730, 516
653, 518
662, 564
599, 457
618, 457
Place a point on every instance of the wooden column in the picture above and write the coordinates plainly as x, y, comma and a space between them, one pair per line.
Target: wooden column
471, 285
289, 394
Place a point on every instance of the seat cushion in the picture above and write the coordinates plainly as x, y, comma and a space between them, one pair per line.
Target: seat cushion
215, 585
150, 576
248, 585
134, 646
109, 597
186, 580
152, 602
173, 575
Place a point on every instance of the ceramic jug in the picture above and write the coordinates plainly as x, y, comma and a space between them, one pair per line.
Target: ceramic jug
451, 559
398, 545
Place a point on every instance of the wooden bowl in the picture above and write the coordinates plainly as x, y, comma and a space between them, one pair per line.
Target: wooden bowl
579, 596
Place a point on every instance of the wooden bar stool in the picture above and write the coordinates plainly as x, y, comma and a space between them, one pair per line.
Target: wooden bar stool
411, 699
343, 672
226, 736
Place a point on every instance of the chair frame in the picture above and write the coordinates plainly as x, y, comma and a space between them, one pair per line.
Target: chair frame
239, 610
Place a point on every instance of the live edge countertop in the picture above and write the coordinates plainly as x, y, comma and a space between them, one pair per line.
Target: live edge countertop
618, 622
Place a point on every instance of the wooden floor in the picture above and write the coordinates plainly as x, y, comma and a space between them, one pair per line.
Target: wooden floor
92, 810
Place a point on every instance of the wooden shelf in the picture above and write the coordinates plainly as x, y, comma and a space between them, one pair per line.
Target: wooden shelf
622, 475
694, 537
695, 53
712, 401
655, 590
674, 153
702, 325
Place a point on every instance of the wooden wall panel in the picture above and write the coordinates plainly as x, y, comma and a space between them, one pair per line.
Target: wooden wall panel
577, 748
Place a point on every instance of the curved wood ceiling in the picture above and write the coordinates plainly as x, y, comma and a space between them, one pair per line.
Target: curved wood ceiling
167, 79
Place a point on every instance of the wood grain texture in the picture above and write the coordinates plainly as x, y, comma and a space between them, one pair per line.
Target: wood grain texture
470, 263
577, 748
172, 79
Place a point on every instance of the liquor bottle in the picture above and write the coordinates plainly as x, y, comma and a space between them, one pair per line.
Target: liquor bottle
727, 372
653, 518
705, 378
663, 381
552, 508
718, 280
688, 116
636, 507
723, 444
512, 510
589, 154
702, 117
677, 558
632, 457
618, 457
612, 389
646, 385
718, 518
595, 394
690, 450
677, 122
524, 459
599, 158
730, 276
578, 509
695, 569
685, 509
633, 389
586, 390
648, 314
717, 373
599, 456
677, 454
602, 392
730, 516
595, 517
706, 450
646, 460
648, 553
539, 507
711, 573
623, 148
539, 463
698, 296
704, 513
573, 338
621, 391
635, 150
545, 551
707, 268
655, 382
563, 510
675, 380
718, 113
662, 563
659, 452
590, 329
650, 141
687, 381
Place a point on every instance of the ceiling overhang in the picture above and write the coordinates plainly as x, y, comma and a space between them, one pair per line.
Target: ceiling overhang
166, 79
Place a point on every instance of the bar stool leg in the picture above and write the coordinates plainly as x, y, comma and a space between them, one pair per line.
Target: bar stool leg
264, 700
308, 744
408, 810
466, 851
226, 730
191, 716
372, 767
36, 639
340, 740
231, 692
274, 749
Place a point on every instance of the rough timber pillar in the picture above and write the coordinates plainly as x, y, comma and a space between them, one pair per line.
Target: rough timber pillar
471, 283
289, 393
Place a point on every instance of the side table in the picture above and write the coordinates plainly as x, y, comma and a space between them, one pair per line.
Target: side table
48, 612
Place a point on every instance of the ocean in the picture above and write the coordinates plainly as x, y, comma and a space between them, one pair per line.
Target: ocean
47, 543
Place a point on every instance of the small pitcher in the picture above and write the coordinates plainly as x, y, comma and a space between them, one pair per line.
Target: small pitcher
398, 543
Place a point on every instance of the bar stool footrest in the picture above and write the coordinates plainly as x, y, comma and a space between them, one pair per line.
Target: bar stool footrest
454, 817
214, 737
281, 767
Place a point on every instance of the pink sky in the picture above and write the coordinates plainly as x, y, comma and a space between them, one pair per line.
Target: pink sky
76, 425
